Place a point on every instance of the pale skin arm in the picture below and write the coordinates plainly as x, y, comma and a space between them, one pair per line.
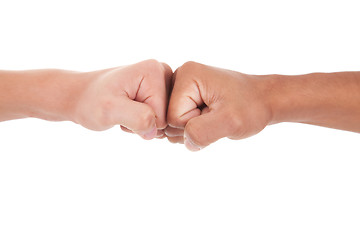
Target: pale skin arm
49, 94
134, 97
209, 103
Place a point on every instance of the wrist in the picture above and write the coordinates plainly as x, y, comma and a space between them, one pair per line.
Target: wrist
48, 94
292, 98
70, 88
279, 97
273, 96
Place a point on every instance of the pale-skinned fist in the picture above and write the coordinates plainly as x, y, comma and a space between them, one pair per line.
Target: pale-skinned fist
134, 97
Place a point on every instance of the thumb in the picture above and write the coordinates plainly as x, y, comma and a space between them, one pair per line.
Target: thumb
138, 117
205, 129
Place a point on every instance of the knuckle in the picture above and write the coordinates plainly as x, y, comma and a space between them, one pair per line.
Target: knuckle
188, 67
171, 119
166, 68
196, 136
156, 72
161, 124
174, 121
145, 120
152, 62
235, 124
154, 65
187, 72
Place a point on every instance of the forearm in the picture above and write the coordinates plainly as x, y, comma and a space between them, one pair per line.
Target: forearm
324, 99
46, 94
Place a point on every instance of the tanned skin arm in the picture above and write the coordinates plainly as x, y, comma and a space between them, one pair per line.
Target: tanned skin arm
209, 103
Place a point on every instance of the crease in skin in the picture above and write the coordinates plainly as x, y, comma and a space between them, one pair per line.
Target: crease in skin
147, 98
182, 115
137, 91
193, 100
206, 102
170, 125
199, 92
197, 103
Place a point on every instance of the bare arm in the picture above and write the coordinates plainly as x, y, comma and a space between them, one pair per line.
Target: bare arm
47, 94
134, 97
209, 103
324, 99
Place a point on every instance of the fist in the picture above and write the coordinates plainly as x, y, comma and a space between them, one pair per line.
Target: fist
134, 97
209, 103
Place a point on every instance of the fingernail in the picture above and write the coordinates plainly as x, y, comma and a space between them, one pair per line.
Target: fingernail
191, 145
151, 134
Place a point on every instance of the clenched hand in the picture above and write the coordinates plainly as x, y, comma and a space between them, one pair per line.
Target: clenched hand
134, 97
209, 103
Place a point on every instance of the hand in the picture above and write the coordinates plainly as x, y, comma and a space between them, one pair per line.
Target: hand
209, 103
134, 97
206, 103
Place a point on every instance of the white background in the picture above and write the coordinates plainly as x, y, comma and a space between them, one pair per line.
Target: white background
291, 181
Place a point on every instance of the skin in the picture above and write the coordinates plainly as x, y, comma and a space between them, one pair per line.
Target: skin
206, 103
209, 103
134, 97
